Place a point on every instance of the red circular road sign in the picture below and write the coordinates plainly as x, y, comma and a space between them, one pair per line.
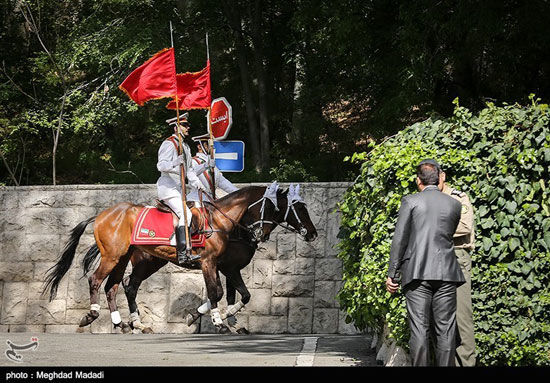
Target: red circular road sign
221, 118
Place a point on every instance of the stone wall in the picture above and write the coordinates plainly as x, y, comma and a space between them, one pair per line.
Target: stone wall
293, 283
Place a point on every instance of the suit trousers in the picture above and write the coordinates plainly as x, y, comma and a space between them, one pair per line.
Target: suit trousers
437, 300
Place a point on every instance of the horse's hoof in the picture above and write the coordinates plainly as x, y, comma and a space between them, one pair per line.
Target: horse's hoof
223, 329
88, 318
147, 330
125, 328
243, 331
192, 318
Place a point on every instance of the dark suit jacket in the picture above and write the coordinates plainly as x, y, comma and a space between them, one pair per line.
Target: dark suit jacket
422, 246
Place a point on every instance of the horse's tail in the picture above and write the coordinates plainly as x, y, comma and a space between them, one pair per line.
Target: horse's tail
56, 273
89, 258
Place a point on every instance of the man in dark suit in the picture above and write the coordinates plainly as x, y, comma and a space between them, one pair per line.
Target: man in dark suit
422, 251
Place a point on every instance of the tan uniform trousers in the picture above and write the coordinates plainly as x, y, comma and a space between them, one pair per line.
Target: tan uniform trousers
465, 351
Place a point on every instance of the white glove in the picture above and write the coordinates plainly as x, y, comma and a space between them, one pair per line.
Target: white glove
211, 162
200, 186
178, 161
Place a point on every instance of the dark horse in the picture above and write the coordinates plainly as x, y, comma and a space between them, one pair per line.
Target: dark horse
113, 230
239, 252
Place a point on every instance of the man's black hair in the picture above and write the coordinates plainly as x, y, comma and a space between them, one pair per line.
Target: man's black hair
428, 174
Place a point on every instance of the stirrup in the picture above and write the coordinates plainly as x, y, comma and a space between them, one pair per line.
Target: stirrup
185, 257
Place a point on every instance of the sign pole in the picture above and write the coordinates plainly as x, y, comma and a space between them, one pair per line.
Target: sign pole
182, 166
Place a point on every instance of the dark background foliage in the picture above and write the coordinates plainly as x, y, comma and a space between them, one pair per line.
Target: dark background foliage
309, 81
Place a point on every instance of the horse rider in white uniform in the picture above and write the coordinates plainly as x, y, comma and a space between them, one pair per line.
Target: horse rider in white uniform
201, 168
169, 183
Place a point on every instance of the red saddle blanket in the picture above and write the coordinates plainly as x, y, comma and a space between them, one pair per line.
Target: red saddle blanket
155, 227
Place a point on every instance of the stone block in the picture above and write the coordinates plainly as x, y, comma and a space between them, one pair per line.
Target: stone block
300, 315
186, 295
286, 246
315, 248
154, 308
9, 200
41, 270
36, 328
325, 294
316, 206
156, 283
12, 222
267, 324
14, 303
293, 286
78, 291
325, 321
328, 269
16, 271
285, 266
44, 312
73, 316
260, 302
35, 290
11, 250
103, 324
262, 273
279, 306
304, 266
267, 250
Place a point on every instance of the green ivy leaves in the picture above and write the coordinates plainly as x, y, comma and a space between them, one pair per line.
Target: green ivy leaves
501, 158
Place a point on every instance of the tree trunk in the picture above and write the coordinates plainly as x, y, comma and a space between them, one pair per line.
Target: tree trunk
234, 22
262, 91
296, 135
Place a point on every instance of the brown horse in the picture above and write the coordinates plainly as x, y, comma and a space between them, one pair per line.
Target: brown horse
112, 232
239, 252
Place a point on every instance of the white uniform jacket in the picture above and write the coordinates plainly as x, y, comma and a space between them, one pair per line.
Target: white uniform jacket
200, 168
169, 182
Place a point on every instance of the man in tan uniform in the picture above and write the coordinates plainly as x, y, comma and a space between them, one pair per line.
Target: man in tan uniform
464, 245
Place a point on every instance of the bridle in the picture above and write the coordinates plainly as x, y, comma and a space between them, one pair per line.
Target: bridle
255, 229
290, 206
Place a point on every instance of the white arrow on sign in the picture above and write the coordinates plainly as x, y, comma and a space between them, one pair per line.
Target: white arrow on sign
226, 156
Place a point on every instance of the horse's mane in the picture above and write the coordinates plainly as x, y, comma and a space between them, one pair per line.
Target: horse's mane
238, 193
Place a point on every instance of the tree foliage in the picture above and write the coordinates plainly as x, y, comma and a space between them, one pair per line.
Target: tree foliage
309, 81
501, 159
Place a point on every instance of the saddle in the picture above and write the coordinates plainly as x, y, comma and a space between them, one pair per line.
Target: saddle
199, 219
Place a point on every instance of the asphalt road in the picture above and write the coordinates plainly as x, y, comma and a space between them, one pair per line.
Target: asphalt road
55, 350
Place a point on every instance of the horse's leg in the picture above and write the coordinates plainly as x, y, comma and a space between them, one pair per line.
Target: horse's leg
111, 288
214, 291
95, 280
144, 266
235, 280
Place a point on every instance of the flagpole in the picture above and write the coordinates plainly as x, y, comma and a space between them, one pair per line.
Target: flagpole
211, 140
181, 152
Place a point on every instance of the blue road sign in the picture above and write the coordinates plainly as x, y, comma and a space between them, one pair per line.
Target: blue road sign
229, 155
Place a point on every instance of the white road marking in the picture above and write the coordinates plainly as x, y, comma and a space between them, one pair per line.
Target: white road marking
307, 355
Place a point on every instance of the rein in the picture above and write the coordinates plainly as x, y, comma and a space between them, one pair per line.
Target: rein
252, 229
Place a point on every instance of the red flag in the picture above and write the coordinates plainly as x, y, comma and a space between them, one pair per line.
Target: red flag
155, 79
193, 90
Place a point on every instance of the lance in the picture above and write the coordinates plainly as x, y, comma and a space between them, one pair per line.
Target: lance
211, 140
182, 166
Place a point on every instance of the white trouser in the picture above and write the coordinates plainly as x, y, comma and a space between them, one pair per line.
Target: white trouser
177, 205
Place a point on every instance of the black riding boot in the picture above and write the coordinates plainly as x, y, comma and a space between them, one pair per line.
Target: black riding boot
181, 247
